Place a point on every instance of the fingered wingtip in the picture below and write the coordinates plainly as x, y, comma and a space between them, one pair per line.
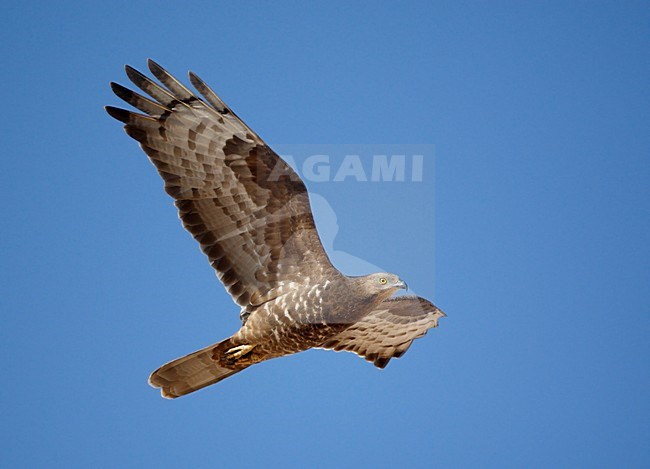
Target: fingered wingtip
121, 115
118, 89
155, 67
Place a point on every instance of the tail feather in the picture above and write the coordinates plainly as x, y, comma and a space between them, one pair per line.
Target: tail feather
190, 373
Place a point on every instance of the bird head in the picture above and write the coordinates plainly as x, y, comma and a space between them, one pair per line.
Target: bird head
384, 283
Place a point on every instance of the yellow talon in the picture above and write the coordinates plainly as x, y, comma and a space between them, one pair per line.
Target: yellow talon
238, 352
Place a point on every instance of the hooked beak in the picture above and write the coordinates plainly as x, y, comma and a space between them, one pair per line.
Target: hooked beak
402, 284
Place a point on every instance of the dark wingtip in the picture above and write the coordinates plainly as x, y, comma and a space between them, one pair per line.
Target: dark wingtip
381, 362
154, 67
121, 115
134, 75
121, 91
194, 78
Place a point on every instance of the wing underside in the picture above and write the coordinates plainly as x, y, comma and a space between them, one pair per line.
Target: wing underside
389, 330
245, 206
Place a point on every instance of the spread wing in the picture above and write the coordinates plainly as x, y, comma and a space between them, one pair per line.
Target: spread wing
245, 206
388, 331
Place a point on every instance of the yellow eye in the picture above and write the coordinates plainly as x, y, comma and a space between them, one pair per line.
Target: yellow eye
383, 280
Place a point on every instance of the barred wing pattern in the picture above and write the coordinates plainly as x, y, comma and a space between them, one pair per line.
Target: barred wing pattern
388, 331
245, 206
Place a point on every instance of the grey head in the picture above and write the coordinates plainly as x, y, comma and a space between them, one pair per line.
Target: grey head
382, 284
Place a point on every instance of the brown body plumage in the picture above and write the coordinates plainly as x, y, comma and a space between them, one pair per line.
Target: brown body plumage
250, 213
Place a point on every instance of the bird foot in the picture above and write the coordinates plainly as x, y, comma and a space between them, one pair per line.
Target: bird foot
235, 353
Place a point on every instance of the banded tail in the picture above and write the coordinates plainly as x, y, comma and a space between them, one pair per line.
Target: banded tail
192, 372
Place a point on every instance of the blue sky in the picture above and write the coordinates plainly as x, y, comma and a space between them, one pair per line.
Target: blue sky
529, 228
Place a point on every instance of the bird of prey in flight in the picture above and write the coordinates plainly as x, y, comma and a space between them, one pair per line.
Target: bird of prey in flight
250, 213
